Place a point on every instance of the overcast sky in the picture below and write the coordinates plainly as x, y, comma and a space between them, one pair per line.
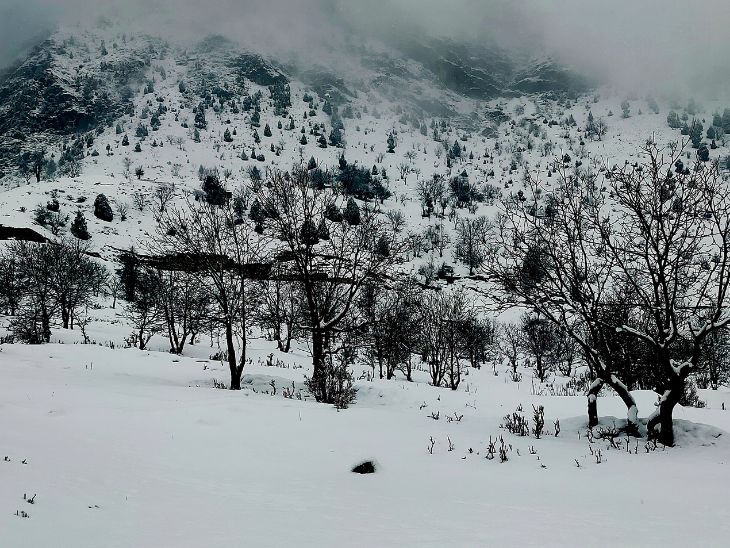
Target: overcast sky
671, 42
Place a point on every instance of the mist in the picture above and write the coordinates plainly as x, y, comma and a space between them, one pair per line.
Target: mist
665, 45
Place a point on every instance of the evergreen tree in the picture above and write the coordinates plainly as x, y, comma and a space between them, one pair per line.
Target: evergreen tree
695, 133
625, 109
309, 233
352, 213
391, 143
726, 121
703, 153
215, 193
102, 209
267, 131
673, 120
200, 121
336, 137
227, 136
79, 228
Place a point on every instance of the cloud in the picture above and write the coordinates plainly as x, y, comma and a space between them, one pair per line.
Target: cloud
669, 44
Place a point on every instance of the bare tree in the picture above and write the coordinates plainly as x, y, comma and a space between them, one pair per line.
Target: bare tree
509, 341
404, 169
663, 234
221, 254
471, 241
331, 260
185, 306
164, 194
280, 308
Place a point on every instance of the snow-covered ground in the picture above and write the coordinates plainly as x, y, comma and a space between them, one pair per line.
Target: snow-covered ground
122, 448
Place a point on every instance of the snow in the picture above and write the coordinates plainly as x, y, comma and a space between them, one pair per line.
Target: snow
130, 448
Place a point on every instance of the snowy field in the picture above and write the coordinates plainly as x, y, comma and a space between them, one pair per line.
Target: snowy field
128, 448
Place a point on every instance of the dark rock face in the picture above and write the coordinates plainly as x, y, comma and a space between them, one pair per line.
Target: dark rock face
40, 99
475, 72
549, 77
367, 467
486, 72
255, 68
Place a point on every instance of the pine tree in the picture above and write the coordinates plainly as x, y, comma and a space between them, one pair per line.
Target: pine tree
79, 228
200, 121
391, 143
227, 136
267, 131
352, 213
695, 133
102, 209
336, 137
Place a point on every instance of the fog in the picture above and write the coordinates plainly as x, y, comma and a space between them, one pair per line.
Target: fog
666, 44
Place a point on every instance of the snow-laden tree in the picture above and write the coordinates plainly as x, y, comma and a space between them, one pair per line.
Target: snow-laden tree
643, 238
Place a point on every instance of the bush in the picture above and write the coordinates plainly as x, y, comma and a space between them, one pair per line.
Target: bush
102, 209
337, 380
215, 193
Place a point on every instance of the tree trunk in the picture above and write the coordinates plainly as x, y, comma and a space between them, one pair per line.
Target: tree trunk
593, 402
232, 364
46, 325
660, 425
318, 368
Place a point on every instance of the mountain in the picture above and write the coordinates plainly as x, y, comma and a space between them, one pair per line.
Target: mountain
75, 82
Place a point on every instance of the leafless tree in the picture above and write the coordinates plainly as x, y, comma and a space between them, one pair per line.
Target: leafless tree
330, 260
471, 241
222, 255
164, 194
140, 200
509, 341
661, 233
185, 307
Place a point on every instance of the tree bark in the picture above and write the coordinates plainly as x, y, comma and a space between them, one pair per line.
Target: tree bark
318, 373
660, 425
232, 363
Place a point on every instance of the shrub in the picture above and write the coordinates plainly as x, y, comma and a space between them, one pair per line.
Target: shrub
102, 209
